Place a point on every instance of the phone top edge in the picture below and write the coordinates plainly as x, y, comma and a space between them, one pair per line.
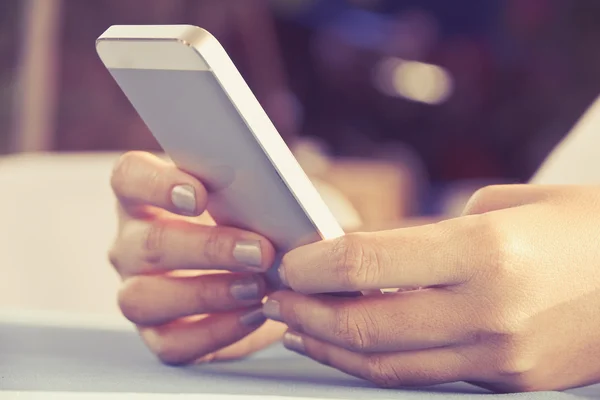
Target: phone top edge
135, 47
176, 32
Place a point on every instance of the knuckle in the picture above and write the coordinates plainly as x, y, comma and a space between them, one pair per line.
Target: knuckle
215, 337
122, 170
388, 374
114, 257
351, 329
154, 185
381, 374
503, 324
503, 252
130, 168
152, 242
507, 327
492, 242
354, 263
130, 300
216, 246
515, 363
209, 296
166, 349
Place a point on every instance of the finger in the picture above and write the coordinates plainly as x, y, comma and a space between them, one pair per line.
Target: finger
188, 340
264, 336
408, 369
158, 299
164, 244
500, 197
441, 254
140, 179
390, 322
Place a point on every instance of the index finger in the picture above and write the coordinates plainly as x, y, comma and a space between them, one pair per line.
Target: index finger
141, 179
442, 254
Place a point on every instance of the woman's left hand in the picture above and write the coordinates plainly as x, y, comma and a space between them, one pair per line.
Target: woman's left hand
511, 297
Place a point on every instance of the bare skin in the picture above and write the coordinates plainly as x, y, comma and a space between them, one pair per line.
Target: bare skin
510, 294
511, 298
193, 297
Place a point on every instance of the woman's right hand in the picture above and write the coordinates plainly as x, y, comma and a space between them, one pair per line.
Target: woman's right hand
193, 289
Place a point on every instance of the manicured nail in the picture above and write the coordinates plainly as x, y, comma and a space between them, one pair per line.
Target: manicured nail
272, 310
293, 341
246, 289
253, 318
248, 252
282, 277
184, 199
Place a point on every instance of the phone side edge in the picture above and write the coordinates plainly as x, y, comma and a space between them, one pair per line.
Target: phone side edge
267, 136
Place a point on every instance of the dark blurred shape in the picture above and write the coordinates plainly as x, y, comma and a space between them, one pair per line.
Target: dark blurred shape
9, 27
89, 94
479, 89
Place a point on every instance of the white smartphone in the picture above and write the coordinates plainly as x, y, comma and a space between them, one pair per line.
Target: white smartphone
203, 114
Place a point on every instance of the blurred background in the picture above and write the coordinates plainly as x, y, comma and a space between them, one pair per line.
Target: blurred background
403, 106
454, 91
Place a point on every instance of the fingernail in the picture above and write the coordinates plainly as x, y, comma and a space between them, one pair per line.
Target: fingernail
293, 341
248, 252
272, 310
184, 199
246, 289
282, 276
253, 318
